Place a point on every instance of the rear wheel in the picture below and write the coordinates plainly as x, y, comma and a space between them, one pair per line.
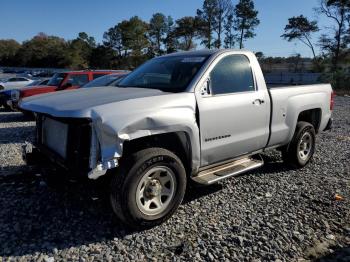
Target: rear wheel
148, 187
302, 147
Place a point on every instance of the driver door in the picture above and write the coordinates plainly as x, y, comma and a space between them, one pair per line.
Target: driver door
234, 117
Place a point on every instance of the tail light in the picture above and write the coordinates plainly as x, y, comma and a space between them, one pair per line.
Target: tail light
332, 100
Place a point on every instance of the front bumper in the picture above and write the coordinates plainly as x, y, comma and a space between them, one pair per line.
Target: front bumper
36, 156
49, 163
74, 162
31, 156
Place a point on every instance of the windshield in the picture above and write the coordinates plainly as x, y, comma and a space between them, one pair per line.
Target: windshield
56, 79
38, 83
170, 73
118, 80
35, 83
102, 81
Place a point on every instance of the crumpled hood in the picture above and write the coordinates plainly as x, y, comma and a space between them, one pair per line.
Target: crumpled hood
122, 114
80, 102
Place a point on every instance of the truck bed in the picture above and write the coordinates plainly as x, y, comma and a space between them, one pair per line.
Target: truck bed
288, 102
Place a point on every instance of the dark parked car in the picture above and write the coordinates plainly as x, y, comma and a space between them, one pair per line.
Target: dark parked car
5, 95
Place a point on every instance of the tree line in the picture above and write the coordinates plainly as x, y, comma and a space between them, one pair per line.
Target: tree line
334, 42
217, 24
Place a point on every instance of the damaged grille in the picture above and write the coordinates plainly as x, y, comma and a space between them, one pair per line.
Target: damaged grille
54, 135
65, 141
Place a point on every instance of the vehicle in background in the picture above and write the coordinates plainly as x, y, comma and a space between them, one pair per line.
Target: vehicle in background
5, 95
8, 71
60, 81
200, 116
15, 82
40, 82
107, 80
42, 74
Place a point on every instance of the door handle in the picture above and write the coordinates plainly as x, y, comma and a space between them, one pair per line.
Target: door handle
258, 101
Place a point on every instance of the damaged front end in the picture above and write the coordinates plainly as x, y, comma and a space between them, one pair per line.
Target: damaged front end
98, 168
87, 139
61, 143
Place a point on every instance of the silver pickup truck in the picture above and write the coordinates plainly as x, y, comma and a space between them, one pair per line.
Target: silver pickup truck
200, 117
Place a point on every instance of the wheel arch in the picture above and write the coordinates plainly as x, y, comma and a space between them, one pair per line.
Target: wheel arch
177, 142
312, 116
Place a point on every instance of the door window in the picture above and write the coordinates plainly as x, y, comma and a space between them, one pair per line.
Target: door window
94, 76
232, 74
78, 80
20, 79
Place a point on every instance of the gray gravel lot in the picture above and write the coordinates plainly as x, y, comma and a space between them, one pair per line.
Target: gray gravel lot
271, 214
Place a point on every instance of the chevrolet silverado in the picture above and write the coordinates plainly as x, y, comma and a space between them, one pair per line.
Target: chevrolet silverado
200, 116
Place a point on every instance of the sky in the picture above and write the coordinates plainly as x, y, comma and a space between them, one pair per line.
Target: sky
21, 20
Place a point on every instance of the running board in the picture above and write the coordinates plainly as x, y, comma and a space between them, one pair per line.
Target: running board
215, 174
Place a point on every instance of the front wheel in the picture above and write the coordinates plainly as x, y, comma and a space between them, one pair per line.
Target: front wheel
148, 187
302, 147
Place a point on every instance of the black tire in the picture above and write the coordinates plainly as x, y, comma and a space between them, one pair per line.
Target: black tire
128, 176
291, 153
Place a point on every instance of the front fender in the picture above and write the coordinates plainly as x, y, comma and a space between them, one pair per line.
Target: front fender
176, 115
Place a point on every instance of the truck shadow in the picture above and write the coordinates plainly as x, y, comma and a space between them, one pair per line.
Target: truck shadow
37, 218
340, 254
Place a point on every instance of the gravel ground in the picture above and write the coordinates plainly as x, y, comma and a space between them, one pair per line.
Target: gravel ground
271, 214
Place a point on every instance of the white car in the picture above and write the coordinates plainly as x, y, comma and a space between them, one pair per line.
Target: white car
15, 82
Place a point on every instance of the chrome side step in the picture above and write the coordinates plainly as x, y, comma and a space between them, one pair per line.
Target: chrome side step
215, 174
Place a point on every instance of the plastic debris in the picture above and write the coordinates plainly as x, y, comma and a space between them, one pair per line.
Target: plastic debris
330, 237
268, 195
338, 197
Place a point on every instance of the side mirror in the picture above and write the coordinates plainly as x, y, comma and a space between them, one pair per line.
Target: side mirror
206, 88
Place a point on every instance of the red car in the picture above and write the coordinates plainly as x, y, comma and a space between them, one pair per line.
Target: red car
60, 81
